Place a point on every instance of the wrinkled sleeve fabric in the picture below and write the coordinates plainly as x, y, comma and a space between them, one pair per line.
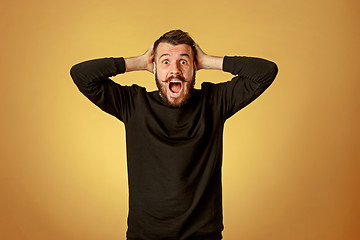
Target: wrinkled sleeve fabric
252, 76
93, 80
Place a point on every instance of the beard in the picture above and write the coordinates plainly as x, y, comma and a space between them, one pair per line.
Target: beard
163, 90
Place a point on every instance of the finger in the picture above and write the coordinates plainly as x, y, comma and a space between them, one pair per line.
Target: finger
150, 50
198, 49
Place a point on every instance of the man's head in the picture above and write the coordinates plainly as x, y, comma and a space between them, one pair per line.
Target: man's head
175, 66
176, 37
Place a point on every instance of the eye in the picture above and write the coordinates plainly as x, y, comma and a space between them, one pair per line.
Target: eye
165, 62
183, 61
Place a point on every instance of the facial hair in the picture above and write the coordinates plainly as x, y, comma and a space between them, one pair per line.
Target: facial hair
163, 90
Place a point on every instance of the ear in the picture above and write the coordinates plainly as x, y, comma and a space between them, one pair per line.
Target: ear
154, 67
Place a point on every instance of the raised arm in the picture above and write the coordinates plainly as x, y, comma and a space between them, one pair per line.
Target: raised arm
93, 80
252, 76
97, 70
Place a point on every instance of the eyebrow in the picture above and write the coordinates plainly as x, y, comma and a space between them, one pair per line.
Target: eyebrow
167, 54
185, 54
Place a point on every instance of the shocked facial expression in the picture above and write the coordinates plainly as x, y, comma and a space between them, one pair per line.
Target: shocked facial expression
174, 70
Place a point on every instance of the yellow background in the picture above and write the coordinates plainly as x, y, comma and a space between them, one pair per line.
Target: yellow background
291, 158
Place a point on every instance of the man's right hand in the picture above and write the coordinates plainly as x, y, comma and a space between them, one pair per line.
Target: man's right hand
142, 62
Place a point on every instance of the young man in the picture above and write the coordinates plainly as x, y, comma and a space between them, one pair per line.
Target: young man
174, 135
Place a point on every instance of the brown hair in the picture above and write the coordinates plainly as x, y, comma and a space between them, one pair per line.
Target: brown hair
176, 37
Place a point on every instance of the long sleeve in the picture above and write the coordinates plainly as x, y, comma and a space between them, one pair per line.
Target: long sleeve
252, 77
92, 79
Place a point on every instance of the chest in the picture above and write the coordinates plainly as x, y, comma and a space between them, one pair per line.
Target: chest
194, 121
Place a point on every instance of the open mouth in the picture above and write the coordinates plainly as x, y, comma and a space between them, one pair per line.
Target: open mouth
175, 87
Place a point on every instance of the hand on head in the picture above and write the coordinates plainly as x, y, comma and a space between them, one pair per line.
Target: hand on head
200, 56
149, 59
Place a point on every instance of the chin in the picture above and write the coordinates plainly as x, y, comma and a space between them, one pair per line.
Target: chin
165, 93
176, 103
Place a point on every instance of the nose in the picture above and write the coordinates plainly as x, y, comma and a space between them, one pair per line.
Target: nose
175, 68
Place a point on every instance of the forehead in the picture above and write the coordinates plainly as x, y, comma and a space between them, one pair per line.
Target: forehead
171, 50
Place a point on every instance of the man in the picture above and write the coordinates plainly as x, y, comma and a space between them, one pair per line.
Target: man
174, 135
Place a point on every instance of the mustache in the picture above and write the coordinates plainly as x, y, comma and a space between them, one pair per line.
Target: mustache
178, 77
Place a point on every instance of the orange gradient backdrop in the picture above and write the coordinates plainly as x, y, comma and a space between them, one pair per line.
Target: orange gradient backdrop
291, 158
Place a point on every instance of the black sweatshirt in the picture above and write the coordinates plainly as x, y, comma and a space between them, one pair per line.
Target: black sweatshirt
174, 155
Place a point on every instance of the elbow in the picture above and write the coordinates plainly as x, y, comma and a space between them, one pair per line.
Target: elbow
272, 71
74, 71
77, 74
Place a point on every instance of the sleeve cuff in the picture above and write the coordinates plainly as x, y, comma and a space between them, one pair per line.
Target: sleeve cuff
120, 65
228, 63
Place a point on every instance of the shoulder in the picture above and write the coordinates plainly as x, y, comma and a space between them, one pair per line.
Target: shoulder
129, 92
212, 91
208, 87
134, 88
